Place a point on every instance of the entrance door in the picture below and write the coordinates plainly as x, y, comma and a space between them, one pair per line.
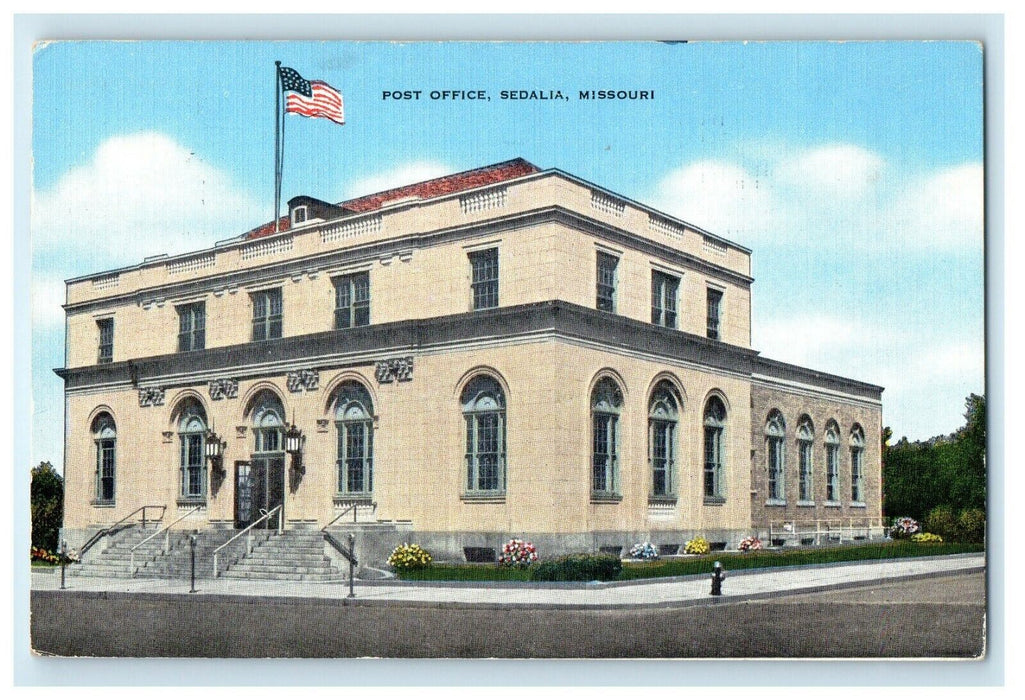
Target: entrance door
259, 487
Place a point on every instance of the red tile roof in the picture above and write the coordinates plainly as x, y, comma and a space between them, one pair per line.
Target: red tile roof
447, 184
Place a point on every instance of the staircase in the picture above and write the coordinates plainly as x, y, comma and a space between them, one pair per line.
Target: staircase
293, 555
115, 560
177, 563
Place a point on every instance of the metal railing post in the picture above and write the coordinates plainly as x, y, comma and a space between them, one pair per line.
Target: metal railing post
215, 564
64, 560
192, 545
352, 555
144, 517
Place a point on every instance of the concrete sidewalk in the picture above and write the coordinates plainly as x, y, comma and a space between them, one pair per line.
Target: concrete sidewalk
672, 592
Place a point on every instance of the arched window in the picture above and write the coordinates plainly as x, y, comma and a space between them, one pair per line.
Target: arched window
663, 416
857, 465
192, 462
606, 404
715, 451
268, 424
354, 418
105, 437
483, 405
832, 462
805, 470
775, 434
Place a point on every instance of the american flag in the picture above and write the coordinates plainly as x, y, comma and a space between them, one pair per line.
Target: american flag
311, 98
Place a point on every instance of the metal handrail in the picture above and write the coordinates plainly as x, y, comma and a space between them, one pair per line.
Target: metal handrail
167, 539
792, 527
352, 507
249, 534
107, 530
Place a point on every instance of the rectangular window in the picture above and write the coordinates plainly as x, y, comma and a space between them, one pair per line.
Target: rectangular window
805, 492
661, 443
484, 276
714, 311
192, 460
713, 462
485, 452
105, 470
266, 314
857, 477
352, 300
664, 289
106, 347
832, 473
606, 283
191, 327
776, 491
603, 480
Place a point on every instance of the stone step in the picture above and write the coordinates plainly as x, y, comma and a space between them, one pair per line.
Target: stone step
289, 568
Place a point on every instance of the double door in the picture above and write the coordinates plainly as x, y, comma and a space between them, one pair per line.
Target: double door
259, 487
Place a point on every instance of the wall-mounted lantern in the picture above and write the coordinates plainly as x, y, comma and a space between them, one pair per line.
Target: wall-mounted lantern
294, 441
215, 450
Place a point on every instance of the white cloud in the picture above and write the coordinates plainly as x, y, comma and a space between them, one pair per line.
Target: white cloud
925, 376
838, 196
838, 172
942, 210
718, 196
139, 195
47, 298
404, 174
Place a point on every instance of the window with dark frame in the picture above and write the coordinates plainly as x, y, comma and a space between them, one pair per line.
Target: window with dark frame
105, 437
484, 415
715, 426
714, 312
105, 352
352, 300
192, 327
664, 290
266, 314
775, 431
606, 282
606, 404
354, 421
484, 278
192, 436
663, 415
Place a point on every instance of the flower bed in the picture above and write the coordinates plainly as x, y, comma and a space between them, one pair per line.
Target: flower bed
698, 545
518, 553
904, 528
644, 550
750, 544
407, 557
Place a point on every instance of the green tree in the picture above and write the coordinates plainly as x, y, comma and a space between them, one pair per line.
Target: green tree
47, 494
946, 470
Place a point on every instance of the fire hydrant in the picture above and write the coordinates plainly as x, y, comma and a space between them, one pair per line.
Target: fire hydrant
717, 578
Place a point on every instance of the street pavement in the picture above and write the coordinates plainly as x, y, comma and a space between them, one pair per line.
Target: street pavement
746, 585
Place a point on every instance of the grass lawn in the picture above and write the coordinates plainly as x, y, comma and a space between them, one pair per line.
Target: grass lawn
731, 561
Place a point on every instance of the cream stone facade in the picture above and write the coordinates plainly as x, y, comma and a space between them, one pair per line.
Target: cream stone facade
502, 352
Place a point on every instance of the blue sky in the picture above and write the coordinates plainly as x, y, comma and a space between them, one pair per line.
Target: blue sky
852, 170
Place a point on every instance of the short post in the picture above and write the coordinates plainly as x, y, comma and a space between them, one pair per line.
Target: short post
717, 578
144, 517
192, 546
352, 555
64, 560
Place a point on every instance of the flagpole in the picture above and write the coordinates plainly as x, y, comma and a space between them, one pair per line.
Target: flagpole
277, 145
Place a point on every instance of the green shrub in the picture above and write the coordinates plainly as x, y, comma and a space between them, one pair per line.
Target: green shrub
971, 525
578, 567
942, 522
